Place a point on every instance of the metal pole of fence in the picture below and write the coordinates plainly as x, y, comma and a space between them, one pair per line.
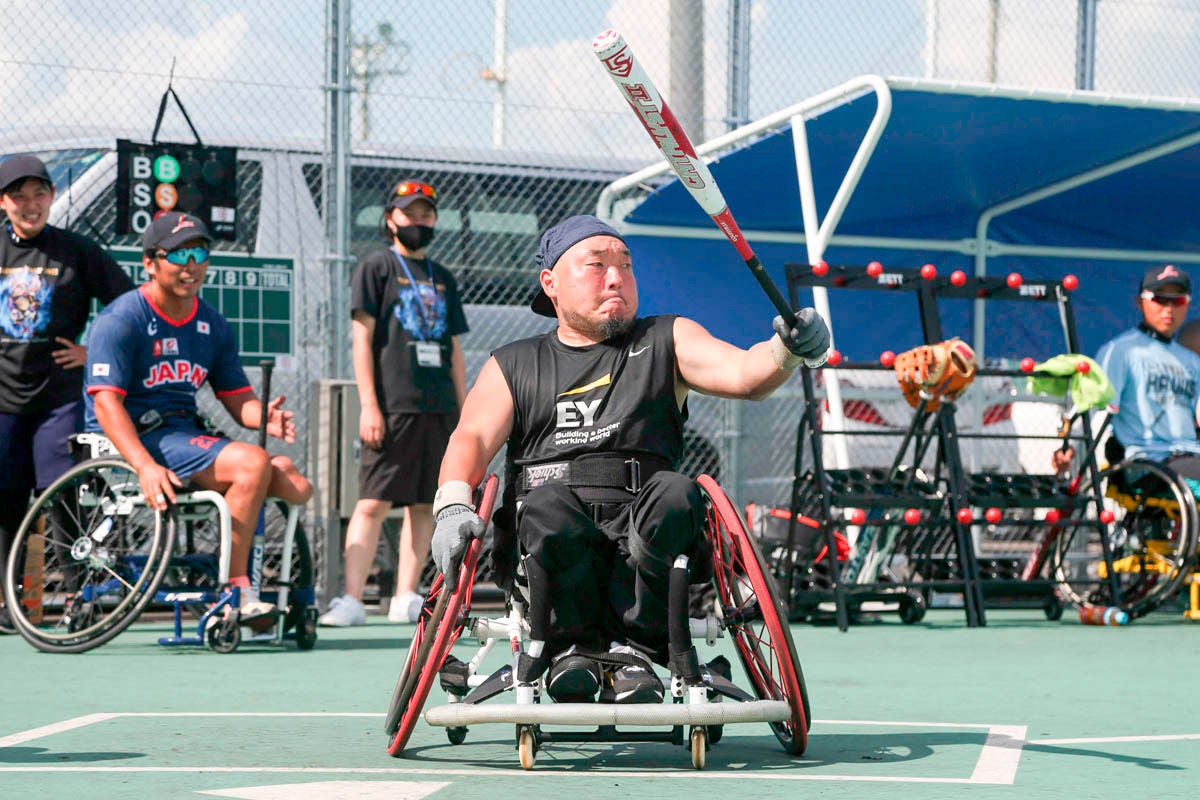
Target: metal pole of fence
336, 188
1085, 45
336, 213
737, 103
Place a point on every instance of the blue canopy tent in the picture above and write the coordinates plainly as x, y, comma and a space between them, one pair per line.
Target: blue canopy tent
982, 178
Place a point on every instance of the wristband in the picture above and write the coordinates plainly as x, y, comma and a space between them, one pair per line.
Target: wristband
452, 493
785, 359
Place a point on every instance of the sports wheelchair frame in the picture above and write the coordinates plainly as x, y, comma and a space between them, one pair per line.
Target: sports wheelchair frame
745, 607
91, 556
1133, 549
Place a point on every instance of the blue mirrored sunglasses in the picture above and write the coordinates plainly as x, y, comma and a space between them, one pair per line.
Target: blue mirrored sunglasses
181, 256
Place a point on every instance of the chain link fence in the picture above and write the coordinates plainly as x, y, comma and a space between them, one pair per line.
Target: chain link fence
501, 106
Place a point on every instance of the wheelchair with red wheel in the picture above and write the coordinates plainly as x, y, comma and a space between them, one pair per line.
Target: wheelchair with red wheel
745, 607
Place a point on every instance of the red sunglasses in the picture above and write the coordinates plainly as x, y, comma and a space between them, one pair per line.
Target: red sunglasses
1176, 300
405, 188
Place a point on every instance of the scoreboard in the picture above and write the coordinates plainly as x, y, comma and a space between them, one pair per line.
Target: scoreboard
255, 293
165, 176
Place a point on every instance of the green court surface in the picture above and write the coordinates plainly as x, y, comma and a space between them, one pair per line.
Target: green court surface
1020, 708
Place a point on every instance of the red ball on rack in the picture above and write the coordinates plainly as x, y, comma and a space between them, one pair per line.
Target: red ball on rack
858, 516
929, 272
874, 269
1013, 280
820, 269
1027, 364
912, 516
835, 358
887, 358
958, 277
1053, 516
965, 516
993, 515
1107, 517
1070, 283
1083, 367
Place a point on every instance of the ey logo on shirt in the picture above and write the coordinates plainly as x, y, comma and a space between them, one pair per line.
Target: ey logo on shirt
579, 413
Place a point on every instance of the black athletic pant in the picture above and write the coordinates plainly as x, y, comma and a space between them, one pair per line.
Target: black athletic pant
608, 565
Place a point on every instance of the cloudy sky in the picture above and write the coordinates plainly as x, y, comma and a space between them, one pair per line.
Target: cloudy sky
256, 69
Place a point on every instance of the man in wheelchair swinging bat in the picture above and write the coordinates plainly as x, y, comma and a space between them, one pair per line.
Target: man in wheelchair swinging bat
149, 352
593, 416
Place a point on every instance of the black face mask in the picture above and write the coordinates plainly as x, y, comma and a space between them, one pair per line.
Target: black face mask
414, 237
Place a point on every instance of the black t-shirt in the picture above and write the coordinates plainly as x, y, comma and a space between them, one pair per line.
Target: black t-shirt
46, 287
406, 314
615, 396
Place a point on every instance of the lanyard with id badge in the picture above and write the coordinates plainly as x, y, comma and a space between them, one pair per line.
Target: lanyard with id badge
425, 353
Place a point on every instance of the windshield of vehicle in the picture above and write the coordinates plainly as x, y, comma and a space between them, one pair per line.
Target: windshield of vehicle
67, 166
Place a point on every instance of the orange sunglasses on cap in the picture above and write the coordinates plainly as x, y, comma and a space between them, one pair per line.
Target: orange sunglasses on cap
405, 188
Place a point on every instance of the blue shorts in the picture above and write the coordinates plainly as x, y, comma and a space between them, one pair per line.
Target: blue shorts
33, 447
183, 447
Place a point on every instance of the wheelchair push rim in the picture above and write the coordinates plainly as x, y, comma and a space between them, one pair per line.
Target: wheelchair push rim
755, 618
441, 622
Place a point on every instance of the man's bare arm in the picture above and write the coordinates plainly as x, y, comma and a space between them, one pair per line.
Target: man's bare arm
712, 366
483, 427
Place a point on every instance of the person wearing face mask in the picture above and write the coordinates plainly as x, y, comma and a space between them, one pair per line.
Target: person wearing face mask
411, 377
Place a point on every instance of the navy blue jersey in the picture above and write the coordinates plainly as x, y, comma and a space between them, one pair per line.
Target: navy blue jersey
157, 362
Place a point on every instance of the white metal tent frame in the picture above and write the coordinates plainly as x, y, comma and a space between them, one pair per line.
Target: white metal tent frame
621, 196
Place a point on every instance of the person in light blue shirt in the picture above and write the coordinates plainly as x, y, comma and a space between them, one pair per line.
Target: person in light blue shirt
1156, 378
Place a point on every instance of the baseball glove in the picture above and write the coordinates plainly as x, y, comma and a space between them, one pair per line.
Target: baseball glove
939, 370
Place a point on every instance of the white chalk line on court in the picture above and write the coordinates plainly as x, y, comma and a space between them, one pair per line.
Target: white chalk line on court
494, 773
997, 764
1166, 737
57, 727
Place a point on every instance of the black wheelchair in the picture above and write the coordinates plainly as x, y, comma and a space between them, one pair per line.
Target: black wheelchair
743, 604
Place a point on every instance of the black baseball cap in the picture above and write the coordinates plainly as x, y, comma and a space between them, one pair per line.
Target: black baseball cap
558, 240
1165, 275
172, 229
19, 168
408, 191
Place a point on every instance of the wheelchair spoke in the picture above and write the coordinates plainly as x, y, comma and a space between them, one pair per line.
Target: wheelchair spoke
1151, 535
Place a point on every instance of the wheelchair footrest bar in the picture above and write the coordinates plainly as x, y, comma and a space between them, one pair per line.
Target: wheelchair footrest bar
457, 715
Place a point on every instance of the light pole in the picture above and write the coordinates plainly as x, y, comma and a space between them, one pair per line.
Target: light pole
369, 61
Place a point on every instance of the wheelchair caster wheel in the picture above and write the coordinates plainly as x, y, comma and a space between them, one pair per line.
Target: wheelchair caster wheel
526, 746
82, 615
225, 636
699, 747
456, 735
912, 608
306, 629
1052, 608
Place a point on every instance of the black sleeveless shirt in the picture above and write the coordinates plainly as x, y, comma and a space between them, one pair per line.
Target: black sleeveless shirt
617, 396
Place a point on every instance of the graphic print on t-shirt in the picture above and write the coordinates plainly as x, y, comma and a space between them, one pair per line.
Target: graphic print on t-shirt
421, 310
25, 299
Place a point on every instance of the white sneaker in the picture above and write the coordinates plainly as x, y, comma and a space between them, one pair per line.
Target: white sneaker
344, 612
405, 607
